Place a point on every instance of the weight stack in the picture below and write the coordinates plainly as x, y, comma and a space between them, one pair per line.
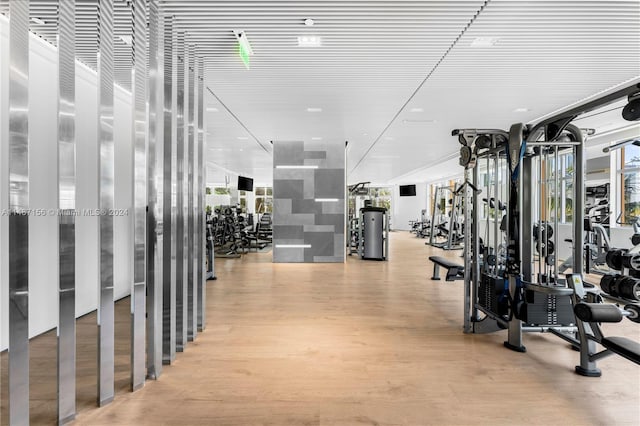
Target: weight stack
544, 309
491, 288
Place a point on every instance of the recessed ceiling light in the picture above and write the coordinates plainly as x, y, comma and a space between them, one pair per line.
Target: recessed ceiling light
418, 121
127, 39
38, 21
212, 109
365, 134
484, 41
314, 109
316, 138
309, 41
417, 110
309, 22
296, 167
243, 138
521, 110
388, 138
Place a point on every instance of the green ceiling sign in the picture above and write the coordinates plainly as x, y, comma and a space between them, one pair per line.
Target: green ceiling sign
244, 55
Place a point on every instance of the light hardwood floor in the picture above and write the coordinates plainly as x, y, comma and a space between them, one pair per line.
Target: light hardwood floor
366, 342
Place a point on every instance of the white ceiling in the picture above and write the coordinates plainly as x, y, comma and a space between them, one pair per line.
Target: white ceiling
380, 59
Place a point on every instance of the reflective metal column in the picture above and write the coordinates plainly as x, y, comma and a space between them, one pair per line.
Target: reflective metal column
67, 206
155, 175
181, 326
106, 195
18, 220
200, 209
169, 201
190, 252
139, 99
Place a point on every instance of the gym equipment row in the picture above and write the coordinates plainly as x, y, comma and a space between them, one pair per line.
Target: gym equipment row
232, 233
512, 277
446, 219
596, 227
422, 227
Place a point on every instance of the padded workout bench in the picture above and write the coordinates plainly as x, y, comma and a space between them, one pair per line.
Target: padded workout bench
589, 316
599, 312
454, 270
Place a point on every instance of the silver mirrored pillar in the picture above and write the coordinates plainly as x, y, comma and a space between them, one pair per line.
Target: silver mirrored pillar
200, 209
18, 205
66, 331
139, 128
169, 197
155, 174
106, 196
181, 289
189, 181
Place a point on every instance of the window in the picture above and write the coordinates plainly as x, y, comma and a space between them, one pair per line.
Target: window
629, 181
242, 198
264, 199
487, 183
445, 196
559, 198
381, 197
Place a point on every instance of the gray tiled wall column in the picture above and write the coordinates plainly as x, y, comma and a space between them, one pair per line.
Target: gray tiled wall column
309, 189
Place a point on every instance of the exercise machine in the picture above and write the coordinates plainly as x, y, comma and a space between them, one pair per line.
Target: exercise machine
422, 227
596, 227
373, 233
210, 238
447, 222
591, 310
511, 279
529, 295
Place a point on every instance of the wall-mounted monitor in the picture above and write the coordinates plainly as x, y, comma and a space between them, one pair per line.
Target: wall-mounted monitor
407, 190
245, 184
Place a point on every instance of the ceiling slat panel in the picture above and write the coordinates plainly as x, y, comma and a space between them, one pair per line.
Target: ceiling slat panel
373, 58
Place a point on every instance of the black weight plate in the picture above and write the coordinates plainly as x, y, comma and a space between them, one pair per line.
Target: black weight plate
614, 258
465, 156
635, 313
483, 142
545, 248
606, 282
629, 288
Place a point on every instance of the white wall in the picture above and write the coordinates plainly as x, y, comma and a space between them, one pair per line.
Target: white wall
43, 242
408, 208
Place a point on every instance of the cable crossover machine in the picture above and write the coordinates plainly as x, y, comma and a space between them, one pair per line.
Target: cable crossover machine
515, 243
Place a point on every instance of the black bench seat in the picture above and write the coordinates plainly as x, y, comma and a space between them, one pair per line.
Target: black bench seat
455, 271
605, 312
623, 347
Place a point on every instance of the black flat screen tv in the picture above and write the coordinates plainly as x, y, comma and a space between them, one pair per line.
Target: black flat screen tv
245, 184
407, 190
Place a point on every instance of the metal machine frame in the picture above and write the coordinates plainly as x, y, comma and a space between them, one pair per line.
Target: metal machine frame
518, 270
361, 239
456, 197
